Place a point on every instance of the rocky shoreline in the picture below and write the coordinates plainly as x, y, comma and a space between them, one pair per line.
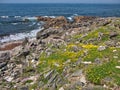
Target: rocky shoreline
65, 55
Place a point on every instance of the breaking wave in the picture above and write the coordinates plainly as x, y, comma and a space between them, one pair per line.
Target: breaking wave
9, 23
19, 36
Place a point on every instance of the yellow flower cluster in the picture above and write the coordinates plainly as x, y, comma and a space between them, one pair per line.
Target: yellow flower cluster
89, 46
70, 54
70, 46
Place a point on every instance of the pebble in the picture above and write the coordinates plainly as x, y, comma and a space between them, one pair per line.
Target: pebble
101, 48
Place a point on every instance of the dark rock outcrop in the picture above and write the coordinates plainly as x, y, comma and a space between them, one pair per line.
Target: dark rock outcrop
4, 56
53, 22
113, 34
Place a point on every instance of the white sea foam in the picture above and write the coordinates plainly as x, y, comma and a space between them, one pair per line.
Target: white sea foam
19, 36
4, 16
75, 14
17, 16
50, 16
71, 17
30, 18
14, 23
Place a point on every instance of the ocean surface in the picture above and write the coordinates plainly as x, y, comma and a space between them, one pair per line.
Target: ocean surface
12, 16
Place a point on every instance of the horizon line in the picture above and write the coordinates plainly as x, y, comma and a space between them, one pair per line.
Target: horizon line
53, 3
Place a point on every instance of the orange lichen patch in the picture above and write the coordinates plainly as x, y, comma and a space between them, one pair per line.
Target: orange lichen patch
10, 46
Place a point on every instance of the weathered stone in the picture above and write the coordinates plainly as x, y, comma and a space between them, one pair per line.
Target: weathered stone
51, 80
9, 78
116, 88
41, 83
23, 88
117, 67
78, 19
48, 75
106, 23
25, 41
46, 33
87, 62
94, 88
101, 48
83, 79
4, 56
113, 34
115, 57
110, 43
61, 88
97, 61
107, 80
77, 73
100, 35
4, 68
3, 64
24, 53
75, 48
78, 61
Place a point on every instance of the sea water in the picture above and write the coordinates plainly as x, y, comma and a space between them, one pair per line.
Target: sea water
14, 27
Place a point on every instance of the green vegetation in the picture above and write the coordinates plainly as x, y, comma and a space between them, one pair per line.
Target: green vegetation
97, 74
58, 58
28, 81
70, 53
